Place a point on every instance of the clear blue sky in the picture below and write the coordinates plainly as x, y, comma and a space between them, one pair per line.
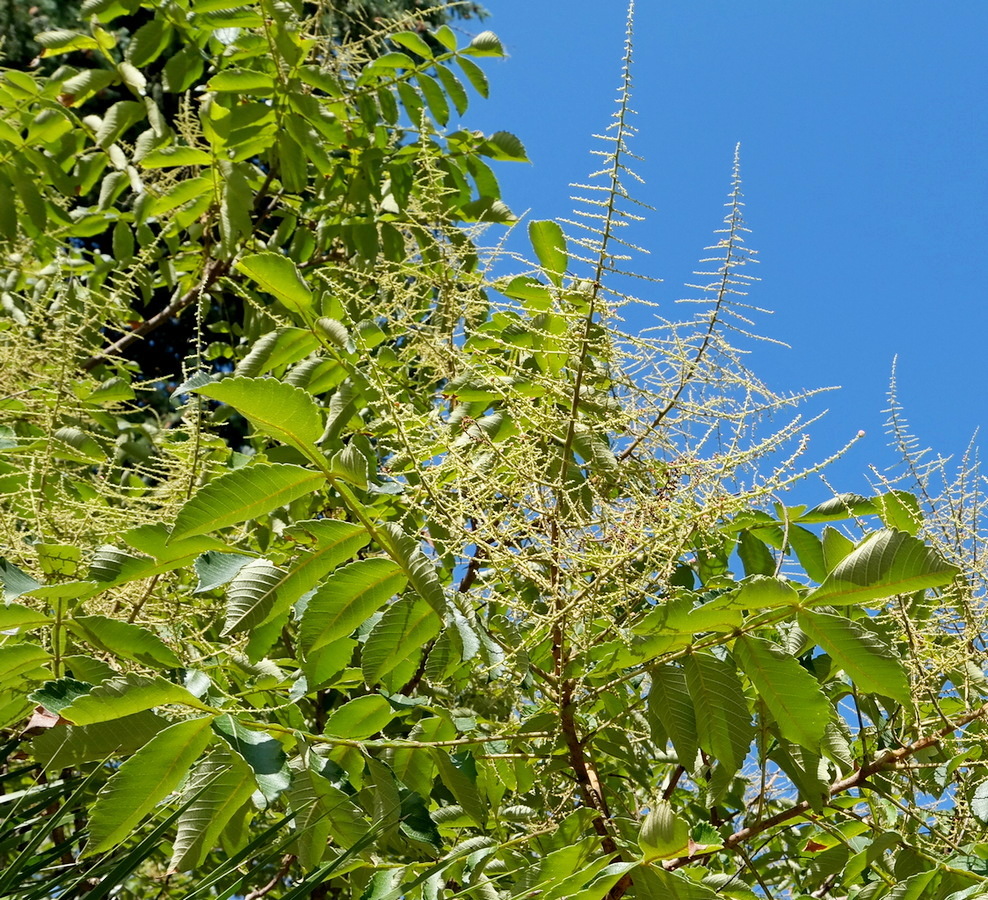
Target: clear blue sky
864, 133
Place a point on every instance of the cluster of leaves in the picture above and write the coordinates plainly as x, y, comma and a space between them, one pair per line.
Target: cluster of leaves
460, 615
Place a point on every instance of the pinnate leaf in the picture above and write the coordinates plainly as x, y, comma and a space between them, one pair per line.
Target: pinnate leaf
886, 563
273, 407
143, 781
347, 598
243, 494
791, 693
871, 665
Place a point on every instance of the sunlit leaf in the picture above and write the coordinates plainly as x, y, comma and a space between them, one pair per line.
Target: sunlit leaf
143, 781
243, 494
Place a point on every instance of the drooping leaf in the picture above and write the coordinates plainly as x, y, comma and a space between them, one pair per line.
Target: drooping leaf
251, 595
406, 626
791, 693
756, 558
979, 802
143, 781
215, 568
723, 721
347, 598
417, 566
871, 665
263, 753
322, 810
809, 550
243, 494
550, 247
663, 834
884, 564
281, 410
219, 785
462, 784
669, 701
15, 581
836, 548
334, 542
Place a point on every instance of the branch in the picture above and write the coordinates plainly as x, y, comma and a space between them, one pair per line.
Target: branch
214, 270
886, 761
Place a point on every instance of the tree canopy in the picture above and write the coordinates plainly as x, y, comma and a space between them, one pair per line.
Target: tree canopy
428, 581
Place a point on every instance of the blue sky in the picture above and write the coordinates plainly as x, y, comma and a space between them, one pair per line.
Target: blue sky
863, 130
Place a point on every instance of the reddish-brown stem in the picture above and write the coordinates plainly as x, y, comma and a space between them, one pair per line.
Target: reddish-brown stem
214, 270
857, 779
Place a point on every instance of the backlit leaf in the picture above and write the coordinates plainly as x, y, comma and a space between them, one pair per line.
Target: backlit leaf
884, 564
347, 598
791, 693
724, 723
243, 494
280, 277
870, 664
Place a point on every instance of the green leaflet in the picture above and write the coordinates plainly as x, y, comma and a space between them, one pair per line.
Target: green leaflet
66, 746
125, 640
809, 550
550, 247
407, 625
221, 783
23, 618
280, 410
243, 494
760, 592
723, 721
334, 543
886, 563
322, 811
251, 595
143, 781
836, 547
347, 598
263, 753
756, 558
663, 835
654, 883
215, 568
360, 718
279, 276
175, 156
124, 696
669, 701
15, 581
420, 571
792, 694
462, 785
21, 659
870, 664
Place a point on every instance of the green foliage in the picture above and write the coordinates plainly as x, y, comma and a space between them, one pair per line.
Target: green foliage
430, 582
